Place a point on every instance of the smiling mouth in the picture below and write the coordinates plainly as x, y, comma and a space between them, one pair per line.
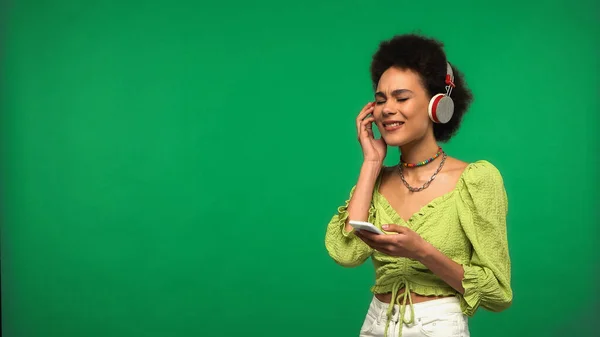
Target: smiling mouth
391, 126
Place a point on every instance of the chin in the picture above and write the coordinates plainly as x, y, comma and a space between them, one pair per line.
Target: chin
395, 140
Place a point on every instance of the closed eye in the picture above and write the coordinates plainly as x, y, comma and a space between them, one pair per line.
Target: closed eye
397, 100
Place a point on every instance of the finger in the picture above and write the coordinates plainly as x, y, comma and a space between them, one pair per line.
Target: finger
377, 240
366, 126
363, 113
364, 237
369, 129
360, 125
367, 121
368, 234
365, 110
385, 248
394, 228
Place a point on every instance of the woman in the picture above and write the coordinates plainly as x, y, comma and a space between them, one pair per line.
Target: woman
444, 251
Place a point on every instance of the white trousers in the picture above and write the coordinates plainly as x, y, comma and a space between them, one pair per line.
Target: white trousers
436, 318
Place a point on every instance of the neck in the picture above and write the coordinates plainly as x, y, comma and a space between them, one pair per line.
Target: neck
419, 151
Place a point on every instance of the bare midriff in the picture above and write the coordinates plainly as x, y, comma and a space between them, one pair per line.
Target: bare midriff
416, 298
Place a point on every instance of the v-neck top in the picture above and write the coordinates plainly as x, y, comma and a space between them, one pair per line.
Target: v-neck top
467, 224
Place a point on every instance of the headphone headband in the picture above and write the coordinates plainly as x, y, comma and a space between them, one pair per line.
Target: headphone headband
449, 79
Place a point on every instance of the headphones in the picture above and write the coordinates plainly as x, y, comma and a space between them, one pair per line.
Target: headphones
441, 106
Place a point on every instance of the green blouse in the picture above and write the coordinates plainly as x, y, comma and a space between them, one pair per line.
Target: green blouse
467, 224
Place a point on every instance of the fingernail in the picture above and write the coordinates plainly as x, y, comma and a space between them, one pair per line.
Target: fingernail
385, 226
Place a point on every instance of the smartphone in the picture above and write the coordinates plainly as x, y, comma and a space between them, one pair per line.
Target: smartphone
365, 226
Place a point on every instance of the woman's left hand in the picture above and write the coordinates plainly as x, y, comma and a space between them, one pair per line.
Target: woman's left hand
407, 243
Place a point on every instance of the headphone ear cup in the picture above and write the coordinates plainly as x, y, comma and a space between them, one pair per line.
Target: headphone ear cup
441, 108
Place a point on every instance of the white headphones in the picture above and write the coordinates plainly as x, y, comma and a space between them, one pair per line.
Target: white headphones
441, 106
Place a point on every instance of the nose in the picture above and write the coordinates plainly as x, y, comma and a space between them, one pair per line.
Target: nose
388, 111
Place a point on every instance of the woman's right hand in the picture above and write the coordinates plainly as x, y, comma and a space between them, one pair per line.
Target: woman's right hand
374, 150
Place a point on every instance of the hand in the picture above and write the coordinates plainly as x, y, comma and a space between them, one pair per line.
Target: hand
374, 150
406, 243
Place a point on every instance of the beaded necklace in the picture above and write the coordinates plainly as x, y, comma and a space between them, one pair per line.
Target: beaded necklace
425, 162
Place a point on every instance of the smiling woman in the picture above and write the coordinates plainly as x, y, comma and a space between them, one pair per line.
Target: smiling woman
444, 251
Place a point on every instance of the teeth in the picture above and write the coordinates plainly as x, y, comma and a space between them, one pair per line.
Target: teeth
395, 124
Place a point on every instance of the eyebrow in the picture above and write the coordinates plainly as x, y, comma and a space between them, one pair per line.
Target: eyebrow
394, 93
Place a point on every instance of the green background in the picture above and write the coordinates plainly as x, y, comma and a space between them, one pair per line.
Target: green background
169, 167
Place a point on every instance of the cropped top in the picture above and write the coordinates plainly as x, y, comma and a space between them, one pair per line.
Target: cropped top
467, 224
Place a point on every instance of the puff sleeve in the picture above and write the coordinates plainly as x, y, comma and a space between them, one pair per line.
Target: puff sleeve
344, 247
483, 207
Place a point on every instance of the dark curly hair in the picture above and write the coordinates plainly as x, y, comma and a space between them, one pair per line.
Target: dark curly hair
426, 57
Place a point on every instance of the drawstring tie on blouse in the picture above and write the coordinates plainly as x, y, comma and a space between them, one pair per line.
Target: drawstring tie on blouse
405, 296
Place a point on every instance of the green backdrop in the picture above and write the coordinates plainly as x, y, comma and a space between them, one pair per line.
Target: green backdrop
169, 167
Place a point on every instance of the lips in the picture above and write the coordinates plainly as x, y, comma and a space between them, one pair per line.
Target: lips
392, 125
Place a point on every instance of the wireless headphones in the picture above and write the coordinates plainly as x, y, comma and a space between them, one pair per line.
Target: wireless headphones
441, 106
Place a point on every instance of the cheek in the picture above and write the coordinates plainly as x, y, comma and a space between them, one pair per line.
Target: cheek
417, 111
377, 113
377, 110
420, 116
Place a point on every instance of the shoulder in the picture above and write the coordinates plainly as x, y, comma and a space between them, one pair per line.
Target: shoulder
482, 170
482, 188
454, 167
481, 178
470, 172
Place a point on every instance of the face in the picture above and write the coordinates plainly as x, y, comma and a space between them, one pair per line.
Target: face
401, 104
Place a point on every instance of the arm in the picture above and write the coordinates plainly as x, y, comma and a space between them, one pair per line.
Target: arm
340, 240
360, 202
443, 266
483, 212
408, 243
342, 245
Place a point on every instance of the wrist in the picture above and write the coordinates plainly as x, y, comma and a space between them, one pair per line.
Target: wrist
369, 171
372, 165
426, 252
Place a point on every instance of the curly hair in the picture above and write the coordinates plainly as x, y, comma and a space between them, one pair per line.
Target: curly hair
426, 57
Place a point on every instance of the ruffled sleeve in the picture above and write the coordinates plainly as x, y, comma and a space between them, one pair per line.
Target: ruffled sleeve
483, 207
344, 247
